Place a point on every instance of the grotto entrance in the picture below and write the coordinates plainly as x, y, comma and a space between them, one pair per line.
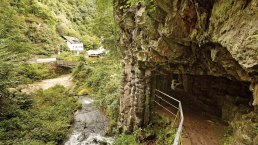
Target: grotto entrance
205, 104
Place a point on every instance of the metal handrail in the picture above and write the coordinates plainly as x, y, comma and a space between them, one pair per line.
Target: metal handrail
166, 109
181, 115
167, 95
167, 102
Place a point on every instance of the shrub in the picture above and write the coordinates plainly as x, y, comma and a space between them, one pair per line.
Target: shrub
160, 129
124, 139
41, 118
36, 72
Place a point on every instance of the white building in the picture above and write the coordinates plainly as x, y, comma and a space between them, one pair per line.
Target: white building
97, 52
74, 44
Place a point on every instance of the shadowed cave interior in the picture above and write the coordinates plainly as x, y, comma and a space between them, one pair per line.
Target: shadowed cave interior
207, 103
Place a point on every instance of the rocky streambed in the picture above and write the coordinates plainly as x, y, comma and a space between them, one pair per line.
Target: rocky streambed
89, 127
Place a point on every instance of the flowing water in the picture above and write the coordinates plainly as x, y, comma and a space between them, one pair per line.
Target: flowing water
90, 124
89, 127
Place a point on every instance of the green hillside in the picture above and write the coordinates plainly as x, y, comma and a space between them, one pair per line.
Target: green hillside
33, 27
29, 28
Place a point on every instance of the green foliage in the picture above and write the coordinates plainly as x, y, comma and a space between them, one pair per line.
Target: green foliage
149, 3
33, 27
101, 78
124, 139
69, 56
103, 25
23, 34
27, 28
90, 42
35, 72
41, 118
88, 20
228, 138
133, 2
5, 78
160, 129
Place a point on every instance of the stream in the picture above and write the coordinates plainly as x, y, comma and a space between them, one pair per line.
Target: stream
89, 126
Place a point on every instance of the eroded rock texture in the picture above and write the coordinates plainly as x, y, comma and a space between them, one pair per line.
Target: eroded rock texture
193, 37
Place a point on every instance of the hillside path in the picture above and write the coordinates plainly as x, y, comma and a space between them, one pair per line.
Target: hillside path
198, 129
65, 81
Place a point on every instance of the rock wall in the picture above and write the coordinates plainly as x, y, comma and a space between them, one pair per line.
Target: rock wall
194, 37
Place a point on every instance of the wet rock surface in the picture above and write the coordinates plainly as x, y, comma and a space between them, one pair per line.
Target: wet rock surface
89, 127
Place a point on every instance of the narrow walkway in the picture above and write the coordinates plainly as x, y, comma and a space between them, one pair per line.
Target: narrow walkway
198, 129
201, 129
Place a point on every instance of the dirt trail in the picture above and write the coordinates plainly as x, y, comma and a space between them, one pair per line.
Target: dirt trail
199, 129
65, 81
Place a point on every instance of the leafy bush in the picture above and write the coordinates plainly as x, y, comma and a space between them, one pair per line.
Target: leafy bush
124, 139
69, 56
90, 42
6, 70
36, 72
159, 130
41, 118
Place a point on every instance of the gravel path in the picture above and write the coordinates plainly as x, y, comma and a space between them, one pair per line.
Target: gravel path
65, 81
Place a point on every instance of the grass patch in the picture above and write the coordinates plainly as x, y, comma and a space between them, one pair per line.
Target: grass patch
43, 117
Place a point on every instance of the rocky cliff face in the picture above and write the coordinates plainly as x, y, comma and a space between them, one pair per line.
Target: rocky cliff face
185, 37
